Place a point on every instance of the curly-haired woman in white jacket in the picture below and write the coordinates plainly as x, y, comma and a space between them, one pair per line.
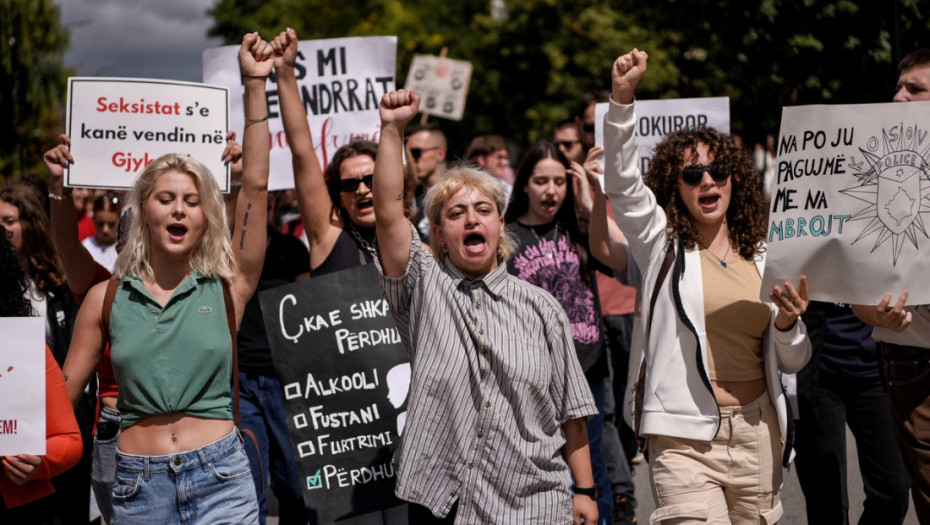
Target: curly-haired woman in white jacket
713, 409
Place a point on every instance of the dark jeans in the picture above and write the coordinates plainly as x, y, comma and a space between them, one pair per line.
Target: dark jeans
261, 410
605, 500
907, 372
825, 411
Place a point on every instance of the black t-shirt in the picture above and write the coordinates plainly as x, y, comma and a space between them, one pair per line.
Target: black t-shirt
285, 259
546, 258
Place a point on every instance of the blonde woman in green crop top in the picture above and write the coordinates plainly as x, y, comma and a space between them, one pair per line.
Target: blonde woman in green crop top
179, 457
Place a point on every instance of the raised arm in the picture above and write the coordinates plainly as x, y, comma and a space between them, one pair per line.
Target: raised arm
392, 227
604, 236
316, 207
250, 234
80, 268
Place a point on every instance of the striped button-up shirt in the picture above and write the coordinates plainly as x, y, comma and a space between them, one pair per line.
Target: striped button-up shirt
494, 376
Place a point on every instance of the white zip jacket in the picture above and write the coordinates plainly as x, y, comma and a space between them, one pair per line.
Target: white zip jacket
677, 398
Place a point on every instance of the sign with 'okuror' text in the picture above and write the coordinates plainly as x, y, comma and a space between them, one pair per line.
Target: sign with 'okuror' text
118, 126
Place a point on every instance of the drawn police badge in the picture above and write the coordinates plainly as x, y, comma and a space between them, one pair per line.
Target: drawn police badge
894, 182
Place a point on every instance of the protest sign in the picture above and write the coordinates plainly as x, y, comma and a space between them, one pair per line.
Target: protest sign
345, 376
850, 201
118, 126
442, 84
657, 118
22, 386
341, 81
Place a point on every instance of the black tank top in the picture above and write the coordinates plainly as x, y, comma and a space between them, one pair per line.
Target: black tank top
348, 252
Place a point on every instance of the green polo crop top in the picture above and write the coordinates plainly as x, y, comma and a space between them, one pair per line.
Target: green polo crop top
171, 359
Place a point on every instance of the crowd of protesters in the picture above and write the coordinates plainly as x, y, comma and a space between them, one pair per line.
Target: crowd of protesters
594, 323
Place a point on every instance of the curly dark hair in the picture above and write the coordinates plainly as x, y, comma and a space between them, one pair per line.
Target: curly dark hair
12, 281
39, 256
746, 215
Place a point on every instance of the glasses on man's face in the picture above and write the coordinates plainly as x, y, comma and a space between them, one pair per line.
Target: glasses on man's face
351, 185
587, 128
693, 175
566, 144
416, 153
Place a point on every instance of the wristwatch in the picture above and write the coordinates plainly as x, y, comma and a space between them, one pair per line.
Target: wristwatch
591, 492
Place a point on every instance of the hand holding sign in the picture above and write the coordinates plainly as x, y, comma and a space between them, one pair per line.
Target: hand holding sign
883, 316
399, 107
627, 71
21, 468
56, 160
791, 303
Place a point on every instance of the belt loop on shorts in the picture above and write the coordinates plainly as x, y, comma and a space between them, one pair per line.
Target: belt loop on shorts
203, 459
145, 468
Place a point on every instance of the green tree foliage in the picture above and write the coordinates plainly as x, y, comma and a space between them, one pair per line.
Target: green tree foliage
532, 66
32, 82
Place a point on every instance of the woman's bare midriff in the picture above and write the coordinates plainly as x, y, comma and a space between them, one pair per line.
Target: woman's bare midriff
738, 393
171, 433
109, 402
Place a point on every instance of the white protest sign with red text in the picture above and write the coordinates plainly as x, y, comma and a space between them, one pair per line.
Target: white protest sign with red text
118, 126
341, 81
22, 386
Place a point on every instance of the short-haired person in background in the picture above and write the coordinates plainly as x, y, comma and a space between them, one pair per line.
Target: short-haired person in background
495, 428
102, 246
426, 154
490, 152
903, 335
713, 410
25, 478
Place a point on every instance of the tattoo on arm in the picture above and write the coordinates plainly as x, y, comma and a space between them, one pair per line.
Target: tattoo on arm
399, 196
245, 222
66, 378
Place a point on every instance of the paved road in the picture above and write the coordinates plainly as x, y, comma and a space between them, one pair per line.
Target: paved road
791, 496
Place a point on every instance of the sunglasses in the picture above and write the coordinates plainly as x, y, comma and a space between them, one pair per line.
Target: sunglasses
693, 175
587, 128
566, 144
416, 153
351, 185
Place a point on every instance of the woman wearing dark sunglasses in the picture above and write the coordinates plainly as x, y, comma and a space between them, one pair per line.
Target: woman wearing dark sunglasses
710, 401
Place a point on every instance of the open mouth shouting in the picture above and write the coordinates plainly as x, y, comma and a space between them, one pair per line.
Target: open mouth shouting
709, 202
549, 206
365, 205
475, 243
177, 232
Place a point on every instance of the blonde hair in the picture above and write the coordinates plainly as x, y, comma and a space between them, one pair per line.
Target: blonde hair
212, 257
454, 178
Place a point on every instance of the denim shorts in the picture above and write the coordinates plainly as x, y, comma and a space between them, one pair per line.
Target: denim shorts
211, 485
103, 468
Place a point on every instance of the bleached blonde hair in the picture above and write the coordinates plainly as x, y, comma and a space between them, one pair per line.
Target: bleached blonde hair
212, 257
454, 178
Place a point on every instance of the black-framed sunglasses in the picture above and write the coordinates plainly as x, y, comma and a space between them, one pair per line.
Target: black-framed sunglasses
693, 175
566, 144
351, 185
416, 153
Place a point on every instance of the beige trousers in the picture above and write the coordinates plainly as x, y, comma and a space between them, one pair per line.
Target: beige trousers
734, 479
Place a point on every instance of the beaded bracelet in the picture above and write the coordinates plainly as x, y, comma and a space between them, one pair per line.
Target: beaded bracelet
62, 197
256, 120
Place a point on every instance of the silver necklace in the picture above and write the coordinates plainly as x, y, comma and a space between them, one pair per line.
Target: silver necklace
369, 247
555, 234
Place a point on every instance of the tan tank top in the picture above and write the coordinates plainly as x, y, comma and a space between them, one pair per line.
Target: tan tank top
735, 318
